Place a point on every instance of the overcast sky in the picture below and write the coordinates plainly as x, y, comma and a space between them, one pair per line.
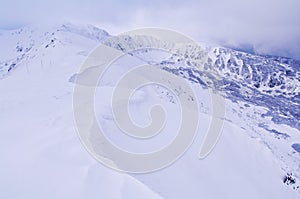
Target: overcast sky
267, 26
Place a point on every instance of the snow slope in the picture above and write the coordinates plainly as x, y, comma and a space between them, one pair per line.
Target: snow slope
42, 156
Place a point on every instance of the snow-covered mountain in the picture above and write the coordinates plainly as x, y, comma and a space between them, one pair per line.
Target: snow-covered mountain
257, 155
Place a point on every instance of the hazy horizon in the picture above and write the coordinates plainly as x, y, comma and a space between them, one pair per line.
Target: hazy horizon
266, 27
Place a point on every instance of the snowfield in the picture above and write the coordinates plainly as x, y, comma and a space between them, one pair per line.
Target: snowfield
42, 155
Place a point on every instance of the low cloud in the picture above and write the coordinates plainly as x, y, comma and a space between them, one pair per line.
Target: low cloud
266, 27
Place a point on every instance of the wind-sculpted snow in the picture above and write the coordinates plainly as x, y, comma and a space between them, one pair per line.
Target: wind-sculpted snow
266, 81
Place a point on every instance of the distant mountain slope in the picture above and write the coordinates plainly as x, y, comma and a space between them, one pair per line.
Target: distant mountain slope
240, 76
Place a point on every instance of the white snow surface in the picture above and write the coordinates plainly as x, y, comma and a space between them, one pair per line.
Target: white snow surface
42, 156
